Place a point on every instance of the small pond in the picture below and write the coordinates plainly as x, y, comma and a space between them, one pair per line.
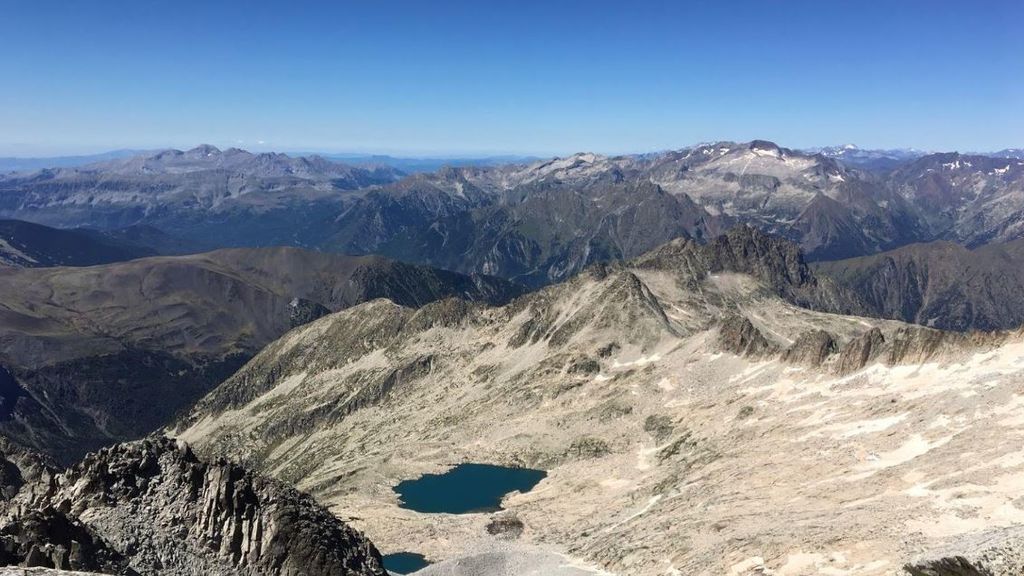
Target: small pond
404, 562
465, 489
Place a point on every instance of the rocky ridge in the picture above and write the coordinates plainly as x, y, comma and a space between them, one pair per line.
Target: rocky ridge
938, 284
103, 354
152, 507
672, 440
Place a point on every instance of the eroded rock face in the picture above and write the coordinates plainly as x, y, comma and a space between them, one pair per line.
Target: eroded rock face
152, 507
859, 351
774, 261
998, 552
811, 348
739, 336
49, 538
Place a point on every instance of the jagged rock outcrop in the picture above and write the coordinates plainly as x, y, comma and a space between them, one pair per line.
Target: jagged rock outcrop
27, 479
859, 351
737, 335
911, 344
49, 538
778, 263
811, 348
153, 507
996, 552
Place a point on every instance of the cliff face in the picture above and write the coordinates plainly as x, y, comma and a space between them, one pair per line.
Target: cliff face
774, 261
939, 284
152, 507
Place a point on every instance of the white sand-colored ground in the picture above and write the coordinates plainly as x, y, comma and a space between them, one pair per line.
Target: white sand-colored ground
757, 467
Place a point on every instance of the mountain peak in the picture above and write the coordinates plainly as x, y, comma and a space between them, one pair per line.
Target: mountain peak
765, 145
204, 150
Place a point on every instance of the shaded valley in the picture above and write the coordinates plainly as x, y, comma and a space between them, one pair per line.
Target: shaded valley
108, 353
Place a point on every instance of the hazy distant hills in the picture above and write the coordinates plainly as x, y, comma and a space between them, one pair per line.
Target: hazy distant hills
878, 160
1017, 153
13, 164
211, 198
412, 165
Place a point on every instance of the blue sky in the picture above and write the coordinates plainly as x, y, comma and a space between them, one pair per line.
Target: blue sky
545, 77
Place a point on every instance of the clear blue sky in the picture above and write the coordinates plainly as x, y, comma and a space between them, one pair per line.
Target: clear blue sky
543, 77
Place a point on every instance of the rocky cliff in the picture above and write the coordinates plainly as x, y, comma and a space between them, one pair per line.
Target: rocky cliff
939, 284
153, 507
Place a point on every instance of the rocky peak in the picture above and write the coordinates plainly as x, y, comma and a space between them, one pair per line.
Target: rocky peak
203, 151
771, 258
765, 146
811, 348
156, 507
738, 335
861, 350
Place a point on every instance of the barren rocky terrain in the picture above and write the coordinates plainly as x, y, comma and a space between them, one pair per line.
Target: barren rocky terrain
690, 418
95, 355
152, 507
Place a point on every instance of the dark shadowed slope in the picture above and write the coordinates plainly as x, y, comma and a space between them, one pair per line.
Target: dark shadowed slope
940, 284
33, 245
108, 353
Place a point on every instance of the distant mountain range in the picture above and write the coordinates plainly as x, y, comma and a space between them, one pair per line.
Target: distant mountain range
538, 222
412, 165
543, 222
851, 155
15, 164
408, 164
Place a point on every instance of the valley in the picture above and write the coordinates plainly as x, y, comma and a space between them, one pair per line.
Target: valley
95, 355
511, 289
689, 421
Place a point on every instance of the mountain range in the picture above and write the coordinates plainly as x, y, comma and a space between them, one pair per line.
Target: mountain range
735, 358
690, 418
98, 354
667, 397
539, 222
